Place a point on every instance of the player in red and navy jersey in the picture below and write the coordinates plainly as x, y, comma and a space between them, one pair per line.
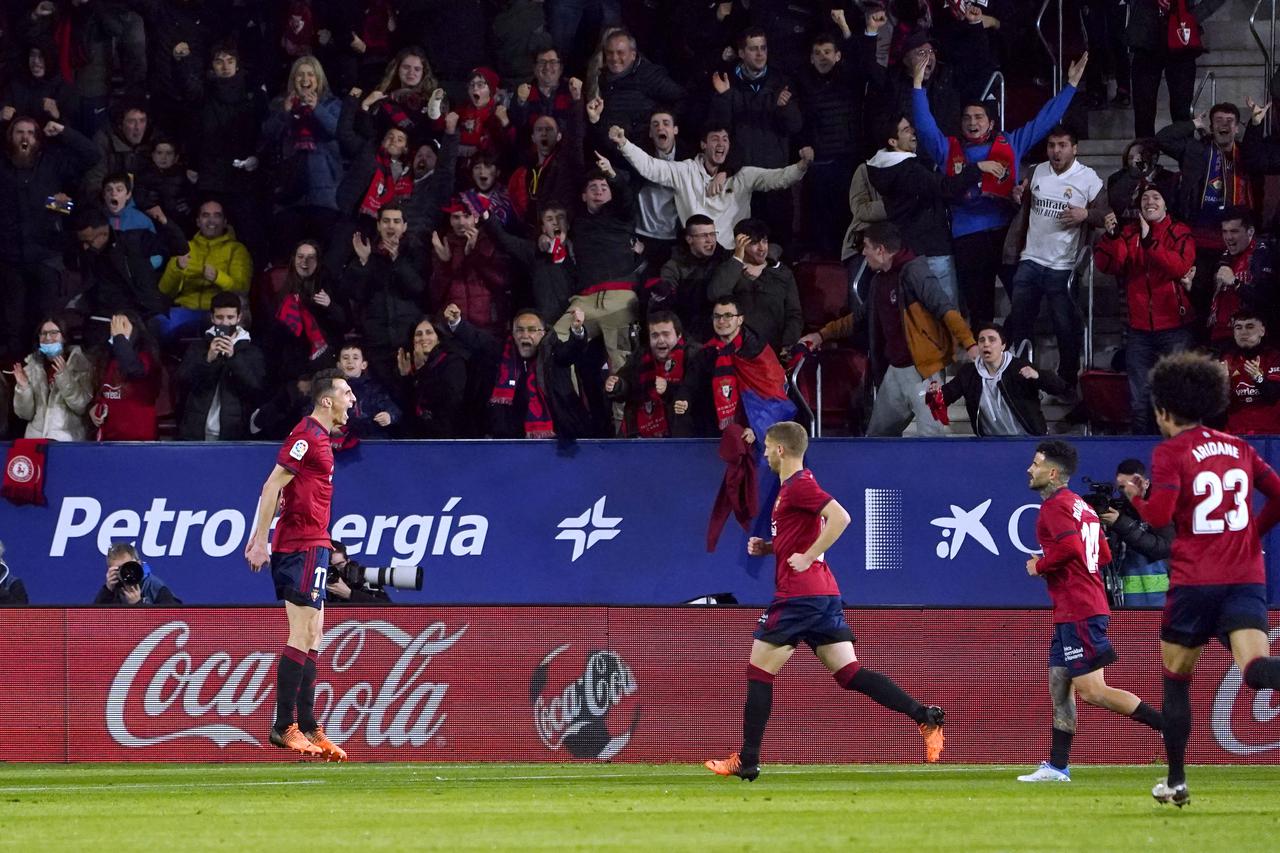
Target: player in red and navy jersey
1203, 481
807, 607
301, 486
1074, 549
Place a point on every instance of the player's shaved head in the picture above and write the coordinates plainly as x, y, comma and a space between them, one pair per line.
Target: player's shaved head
1189, 387
792, 437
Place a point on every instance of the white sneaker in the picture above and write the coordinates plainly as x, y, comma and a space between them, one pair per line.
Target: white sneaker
1046, 772
1178, 794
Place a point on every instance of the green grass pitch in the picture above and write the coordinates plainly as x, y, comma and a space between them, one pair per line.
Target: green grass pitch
283, 807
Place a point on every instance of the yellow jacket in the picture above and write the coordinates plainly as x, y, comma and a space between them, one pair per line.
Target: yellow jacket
189, 288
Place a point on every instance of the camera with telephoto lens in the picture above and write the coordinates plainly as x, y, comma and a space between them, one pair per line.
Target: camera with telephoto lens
1102, 497
396, 577
131, 573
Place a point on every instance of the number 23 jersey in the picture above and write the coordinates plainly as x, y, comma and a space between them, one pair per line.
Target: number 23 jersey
1074, 551
1204, 480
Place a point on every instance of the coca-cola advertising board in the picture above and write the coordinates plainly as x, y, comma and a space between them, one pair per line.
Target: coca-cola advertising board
576, 683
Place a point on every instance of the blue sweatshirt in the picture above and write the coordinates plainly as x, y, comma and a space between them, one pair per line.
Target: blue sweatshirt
984, 213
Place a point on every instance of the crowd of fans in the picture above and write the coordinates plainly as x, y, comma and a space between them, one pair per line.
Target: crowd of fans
579, 218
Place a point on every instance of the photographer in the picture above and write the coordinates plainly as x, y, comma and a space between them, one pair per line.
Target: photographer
130, 581
341, 589
223, 375
12, 590
1141, 553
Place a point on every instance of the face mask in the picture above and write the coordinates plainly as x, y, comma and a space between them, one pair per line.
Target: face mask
52, 350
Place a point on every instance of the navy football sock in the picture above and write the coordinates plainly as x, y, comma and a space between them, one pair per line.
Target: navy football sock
880, 688
307, 694
288, 676
1148, 716
755, 716
1060, 751
1177, 724
1263, 672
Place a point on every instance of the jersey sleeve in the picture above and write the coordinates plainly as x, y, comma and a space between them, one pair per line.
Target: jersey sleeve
1166, 484
807, 495
1266, 481
293, 451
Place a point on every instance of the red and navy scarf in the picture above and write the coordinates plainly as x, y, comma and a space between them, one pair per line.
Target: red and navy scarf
302, 130
651, 417
537, 417
724, 380
301, 323
395, 114
385, 187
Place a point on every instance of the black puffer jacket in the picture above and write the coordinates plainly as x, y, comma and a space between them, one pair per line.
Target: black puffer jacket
832, 103
630, 97
761, 130
32, 233
230, 119
237, 381
170, 22
120, 278
388, 295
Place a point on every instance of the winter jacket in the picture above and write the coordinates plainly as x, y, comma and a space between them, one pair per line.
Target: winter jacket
230, 118
690, 180
1191, 149
306, 177
683, 288
633, 394
476, 282
56, 411
866, 205
431, 192
433, 395
387, 294
1150, 270
760, 129
832, 103
930, 319
556, 180
630, 97
188, 288
32, 231
26, 95
916, 197
554, 363
169, 23
559, 105
371, 399
516, 34
551, 283
770, 302
360, 144
115, 155
1022, 395
602, 241
1123, 188
121, 277
234, 384
1149, 30
1254, 288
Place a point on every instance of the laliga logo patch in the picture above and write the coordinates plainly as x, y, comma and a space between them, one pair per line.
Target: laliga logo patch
299, 449
22, 469
589, 706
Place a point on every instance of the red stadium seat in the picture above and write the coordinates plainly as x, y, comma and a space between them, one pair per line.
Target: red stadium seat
1106, 399
843, 373
824, 292
264, 292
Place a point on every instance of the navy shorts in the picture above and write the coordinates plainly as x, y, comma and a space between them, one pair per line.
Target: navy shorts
1195, 614
1082, 646
817, 620
300, 576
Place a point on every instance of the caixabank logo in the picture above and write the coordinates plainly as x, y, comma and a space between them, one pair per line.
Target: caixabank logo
587, 704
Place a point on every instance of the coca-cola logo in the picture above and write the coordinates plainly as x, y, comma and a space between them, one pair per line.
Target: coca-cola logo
163, 692
1248, 727
589, 707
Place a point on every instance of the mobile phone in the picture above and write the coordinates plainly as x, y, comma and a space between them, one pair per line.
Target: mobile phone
58, 206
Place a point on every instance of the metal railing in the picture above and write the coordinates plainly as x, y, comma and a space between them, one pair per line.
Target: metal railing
996, 77
1211, 79
1085, 260
1058, 57
793, 385
1055, 56
1268, 55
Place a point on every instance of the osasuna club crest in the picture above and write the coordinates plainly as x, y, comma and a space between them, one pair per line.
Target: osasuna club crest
726, 390
21, 469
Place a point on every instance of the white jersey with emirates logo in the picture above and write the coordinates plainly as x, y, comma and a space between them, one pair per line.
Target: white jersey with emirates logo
1052, 242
